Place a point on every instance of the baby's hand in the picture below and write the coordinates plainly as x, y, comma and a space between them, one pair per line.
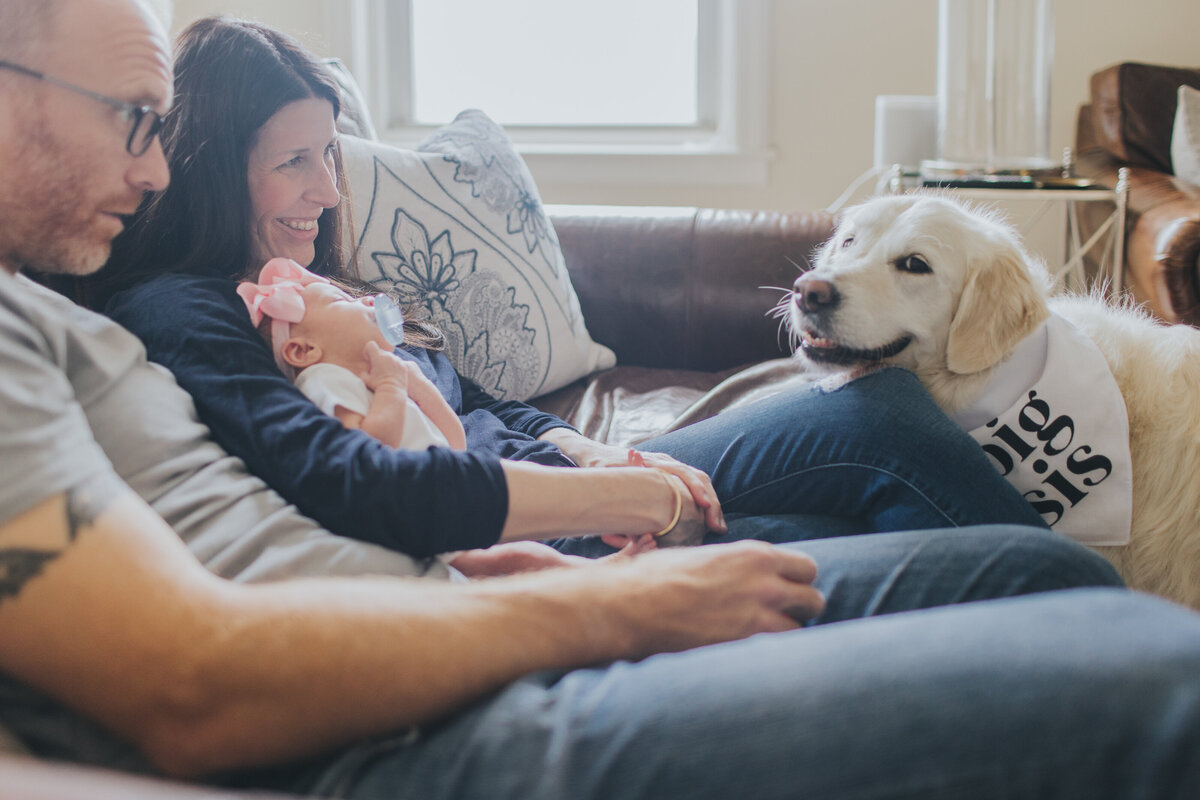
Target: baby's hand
385, 368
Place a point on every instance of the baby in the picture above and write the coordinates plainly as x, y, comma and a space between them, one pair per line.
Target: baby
333, 348
330, 344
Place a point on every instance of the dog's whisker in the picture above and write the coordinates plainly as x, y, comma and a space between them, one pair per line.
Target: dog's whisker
798, 266
780, 309
785, 336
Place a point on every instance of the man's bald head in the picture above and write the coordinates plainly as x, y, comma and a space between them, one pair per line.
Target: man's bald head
25, 25
63, 152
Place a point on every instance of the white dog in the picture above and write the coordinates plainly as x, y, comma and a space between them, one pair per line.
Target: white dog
947, 291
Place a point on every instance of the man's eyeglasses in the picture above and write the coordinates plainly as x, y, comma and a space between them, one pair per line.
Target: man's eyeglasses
144, 121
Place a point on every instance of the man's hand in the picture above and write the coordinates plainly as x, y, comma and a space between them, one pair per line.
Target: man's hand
589, 453
682, 598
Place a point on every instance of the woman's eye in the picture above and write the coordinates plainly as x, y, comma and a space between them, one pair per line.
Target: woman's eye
914, 264
849, 240
295, 161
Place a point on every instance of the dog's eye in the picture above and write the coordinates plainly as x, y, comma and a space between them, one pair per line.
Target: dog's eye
914, 264
849, 240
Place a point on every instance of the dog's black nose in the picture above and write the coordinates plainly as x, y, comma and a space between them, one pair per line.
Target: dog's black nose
814, 294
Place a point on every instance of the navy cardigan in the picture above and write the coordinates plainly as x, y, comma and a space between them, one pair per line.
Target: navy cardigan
420, 502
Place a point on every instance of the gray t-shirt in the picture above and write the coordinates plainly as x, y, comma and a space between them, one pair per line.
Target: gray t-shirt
78, 398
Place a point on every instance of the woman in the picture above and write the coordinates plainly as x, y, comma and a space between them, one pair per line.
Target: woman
252, 146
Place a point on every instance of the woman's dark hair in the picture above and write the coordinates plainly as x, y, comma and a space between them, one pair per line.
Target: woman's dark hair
231, 76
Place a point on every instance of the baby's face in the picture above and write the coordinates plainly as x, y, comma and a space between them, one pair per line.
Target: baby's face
340, 324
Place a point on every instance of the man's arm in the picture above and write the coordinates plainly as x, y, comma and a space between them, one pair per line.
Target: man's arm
106, 611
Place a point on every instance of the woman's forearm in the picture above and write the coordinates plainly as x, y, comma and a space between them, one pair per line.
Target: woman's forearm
547, 502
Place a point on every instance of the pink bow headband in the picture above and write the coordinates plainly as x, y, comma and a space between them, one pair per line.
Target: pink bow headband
278, 295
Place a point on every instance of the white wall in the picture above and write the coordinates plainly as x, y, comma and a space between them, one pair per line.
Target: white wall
830, 59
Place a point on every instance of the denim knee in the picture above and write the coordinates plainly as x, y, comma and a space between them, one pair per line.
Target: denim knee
1050, 561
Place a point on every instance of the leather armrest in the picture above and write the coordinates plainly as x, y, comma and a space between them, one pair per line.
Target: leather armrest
1162, 240
683, 287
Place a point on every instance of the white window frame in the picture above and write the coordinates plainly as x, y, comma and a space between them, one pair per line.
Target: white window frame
728, 147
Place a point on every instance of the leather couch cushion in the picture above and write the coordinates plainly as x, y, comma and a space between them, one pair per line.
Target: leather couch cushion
627, 405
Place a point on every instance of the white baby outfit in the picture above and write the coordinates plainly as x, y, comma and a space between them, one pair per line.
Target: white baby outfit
329, 386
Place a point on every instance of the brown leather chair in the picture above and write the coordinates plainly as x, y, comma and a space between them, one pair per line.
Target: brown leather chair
1128, 123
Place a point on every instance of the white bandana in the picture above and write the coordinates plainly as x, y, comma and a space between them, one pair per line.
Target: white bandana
1053, 422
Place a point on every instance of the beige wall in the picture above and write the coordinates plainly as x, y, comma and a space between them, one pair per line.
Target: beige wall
830, 58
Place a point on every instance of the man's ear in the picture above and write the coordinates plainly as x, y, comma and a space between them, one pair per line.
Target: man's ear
1000, 305
300, 352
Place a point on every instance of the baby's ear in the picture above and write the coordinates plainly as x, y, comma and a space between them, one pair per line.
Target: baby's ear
300, 353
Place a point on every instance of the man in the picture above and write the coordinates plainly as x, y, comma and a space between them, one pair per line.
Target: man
117, 648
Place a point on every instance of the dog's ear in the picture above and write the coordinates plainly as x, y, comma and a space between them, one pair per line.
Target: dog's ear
1000, 305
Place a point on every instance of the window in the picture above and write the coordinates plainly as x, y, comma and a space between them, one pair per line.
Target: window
554, 63
669, 91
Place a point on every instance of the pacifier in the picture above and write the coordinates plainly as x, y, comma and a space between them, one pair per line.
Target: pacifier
390, 319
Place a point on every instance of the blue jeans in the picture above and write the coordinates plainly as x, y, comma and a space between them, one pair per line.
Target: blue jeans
875, 455
1084, 693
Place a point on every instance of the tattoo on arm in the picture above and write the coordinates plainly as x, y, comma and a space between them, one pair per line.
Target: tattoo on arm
20, 565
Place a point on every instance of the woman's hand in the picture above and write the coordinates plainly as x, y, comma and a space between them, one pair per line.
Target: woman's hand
627, 545
688, 528
589, 453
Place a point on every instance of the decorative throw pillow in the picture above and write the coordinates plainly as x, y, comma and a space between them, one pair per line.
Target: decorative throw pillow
457, 226
1185, 138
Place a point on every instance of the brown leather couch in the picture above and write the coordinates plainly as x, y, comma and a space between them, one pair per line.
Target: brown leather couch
1128, 123
681, 296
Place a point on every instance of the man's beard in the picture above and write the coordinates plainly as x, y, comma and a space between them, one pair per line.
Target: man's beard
52, 227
